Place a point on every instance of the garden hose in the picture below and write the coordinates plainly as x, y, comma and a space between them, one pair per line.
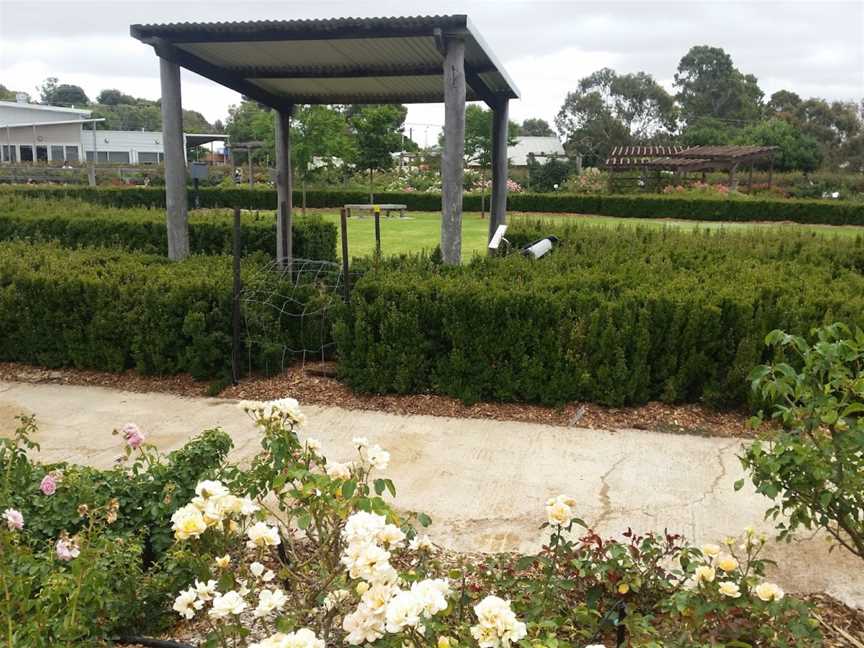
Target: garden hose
153, 643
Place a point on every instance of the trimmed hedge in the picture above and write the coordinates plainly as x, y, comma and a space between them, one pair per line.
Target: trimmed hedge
102, 308
614, 316
74, 223
826, 212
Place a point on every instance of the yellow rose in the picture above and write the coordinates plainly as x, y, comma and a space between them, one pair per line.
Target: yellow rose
444, 642
769, 592
727, 563
729, 589
710, 550
623, 588
223, 561
362, 588
704, 574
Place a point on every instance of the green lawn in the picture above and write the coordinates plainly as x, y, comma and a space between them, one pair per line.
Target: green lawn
422, 230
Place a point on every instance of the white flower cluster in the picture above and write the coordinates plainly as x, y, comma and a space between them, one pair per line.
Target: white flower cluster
303, 638
375, 455
384, 606
230, 603
286, 408
497, 624
212, 505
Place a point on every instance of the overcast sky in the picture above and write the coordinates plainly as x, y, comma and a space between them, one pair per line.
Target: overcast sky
813, 47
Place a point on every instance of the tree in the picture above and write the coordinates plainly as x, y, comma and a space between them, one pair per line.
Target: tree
378, 134
547, 176
319, 136
608, 109
62, 94
250, 122
195, 122
113, 97
709, 85
783, 102
10, 95
797, 151
535, 127
707, 131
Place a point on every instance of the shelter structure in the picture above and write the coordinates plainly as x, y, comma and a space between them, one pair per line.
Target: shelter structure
646, 164
281, 64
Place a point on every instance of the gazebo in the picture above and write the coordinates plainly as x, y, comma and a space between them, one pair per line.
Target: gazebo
281, 64
681, 161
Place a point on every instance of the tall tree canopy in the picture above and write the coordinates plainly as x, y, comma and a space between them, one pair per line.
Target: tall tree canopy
796, 151
378, 131
610, 109
62, 94
251, 122
478, 135
319, 137
709, 85
535, 127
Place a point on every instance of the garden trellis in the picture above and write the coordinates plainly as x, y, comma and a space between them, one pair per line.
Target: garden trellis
347, 60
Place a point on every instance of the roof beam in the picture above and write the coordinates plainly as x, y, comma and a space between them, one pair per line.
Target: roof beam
472, 76
328, 99
198, 65
342, 72
299, 30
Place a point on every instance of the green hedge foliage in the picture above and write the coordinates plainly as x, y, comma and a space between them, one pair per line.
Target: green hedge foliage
75, 223
614, 316
106, 309
829, 212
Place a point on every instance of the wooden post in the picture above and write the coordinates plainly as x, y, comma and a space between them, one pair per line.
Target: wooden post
377, 213
284, 189
346, 279
498, 210
91, 170
235, 309
175, 165
733, 178
771, 170
453, 157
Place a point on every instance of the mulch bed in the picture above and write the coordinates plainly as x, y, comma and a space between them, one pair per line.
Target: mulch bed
315, 384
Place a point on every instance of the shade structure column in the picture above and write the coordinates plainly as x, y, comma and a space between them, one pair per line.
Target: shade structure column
284, 189
453, 158
500, 121
176, 210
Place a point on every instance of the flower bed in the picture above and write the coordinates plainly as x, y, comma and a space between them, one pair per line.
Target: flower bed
295, 550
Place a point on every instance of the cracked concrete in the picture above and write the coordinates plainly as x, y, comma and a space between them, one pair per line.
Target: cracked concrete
483, 482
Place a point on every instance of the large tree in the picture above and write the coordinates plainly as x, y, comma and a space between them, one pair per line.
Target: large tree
319, 139
709, 85
796, 151
610, 109
535, 127
378, 132
249, 122
62, 94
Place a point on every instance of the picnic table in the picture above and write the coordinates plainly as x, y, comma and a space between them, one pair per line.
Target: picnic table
387, 208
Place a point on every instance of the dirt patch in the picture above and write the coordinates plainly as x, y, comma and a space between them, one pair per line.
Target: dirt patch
315, 384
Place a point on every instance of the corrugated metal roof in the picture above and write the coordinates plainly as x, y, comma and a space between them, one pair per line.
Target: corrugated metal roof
340, 60
540, 147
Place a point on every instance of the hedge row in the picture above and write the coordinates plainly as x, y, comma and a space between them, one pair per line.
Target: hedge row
629, 206
102, 308
614, 316
74, 223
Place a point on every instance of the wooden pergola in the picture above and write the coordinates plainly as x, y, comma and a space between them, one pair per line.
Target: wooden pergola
281, 64
682, 161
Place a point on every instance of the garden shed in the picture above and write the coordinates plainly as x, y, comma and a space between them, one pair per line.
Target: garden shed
280, 64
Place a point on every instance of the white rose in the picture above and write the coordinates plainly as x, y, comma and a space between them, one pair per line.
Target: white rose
227, 604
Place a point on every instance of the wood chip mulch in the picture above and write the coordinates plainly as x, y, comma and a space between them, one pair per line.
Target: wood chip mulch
315, 384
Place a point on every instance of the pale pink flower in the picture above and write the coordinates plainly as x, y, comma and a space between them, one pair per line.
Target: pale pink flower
48, 486
67, 549
14, 519
133, 435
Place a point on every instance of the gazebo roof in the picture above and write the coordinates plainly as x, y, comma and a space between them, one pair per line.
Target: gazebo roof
343, 60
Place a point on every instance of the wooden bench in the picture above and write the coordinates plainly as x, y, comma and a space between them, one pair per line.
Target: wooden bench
387, 208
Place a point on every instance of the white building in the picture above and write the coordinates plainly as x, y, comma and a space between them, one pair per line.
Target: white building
543, 149
57, 135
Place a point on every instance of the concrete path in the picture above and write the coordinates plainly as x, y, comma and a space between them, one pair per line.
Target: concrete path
483, 482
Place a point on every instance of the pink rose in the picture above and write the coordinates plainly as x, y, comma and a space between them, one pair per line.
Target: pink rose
14, 519
67, 549
133, 435
48, 485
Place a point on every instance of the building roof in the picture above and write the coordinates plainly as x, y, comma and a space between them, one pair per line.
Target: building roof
540, 147
729, 152
344, 60
61, 122
29, 106
678, 158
